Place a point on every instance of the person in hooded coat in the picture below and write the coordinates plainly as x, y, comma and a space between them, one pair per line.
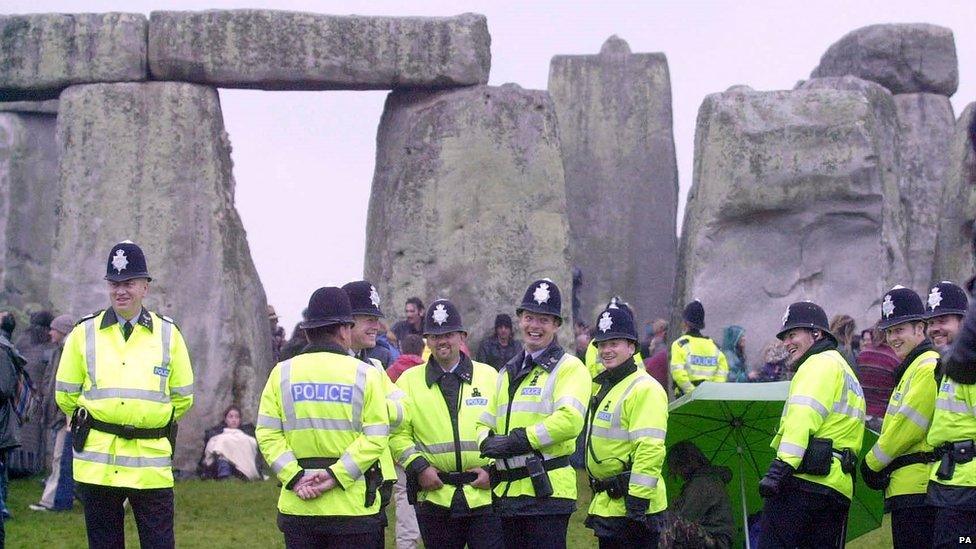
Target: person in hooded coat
701, 516
733, 347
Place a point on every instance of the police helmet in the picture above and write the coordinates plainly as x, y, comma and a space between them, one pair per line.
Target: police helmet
805, 314
946, 298
615, 323
542, 297
442, 317
900, 305
125, 262
327, 307
363, 298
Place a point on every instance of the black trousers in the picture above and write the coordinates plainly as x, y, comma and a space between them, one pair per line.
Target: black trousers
535, 531
105, 516
476, 531
912, 527
623, 533
796, 518
954, 528
308, 532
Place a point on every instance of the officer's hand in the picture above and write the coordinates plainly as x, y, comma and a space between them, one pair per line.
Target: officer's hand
314, 485
874, 479
636, 507
429, 480
483, 482
514, 444
776, 476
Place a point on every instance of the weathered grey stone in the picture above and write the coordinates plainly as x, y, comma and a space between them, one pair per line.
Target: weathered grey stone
468, 201
925, 126
905, 58
47, 107
151, 162
41, 54
954, 252
794, 197
273, 50
615, 131
28, 194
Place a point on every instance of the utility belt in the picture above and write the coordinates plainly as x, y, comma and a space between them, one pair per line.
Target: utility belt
820, 454
616, 486
456, 479
536, 468
82, 423
951, 454
914, 458
373, 476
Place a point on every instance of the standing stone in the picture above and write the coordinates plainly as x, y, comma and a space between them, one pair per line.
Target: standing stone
41, 54
151, 162
616, 136
954, 250
905, 58
273, 50
794, 197
925, 126
468, 201
28, 195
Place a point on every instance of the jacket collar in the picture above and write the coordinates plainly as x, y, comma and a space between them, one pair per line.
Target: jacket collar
434, 372
110, 319
323, 348
825, 344
922, 347
547, 360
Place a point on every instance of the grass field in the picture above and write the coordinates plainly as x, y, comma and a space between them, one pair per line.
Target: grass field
216, 515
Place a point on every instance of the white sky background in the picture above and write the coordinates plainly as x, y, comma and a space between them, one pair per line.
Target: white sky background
303, 161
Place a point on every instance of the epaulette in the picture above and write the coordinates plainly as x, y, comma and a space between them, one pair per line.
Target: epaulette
168, 319
89, 317
682, 341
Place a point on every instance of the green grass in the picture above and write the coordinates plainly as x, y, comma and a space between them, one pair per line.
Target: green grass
231, 514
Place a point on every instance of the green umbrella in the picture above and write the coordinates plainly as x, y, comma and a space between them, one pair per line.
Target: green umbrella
733, 424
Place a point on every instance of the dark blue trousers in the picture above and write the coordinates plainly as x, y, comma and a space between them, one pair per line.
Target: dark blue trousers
796, 518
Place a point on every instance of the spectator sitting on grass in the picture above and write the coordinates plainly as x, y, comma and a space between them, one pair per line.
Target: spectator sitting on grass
231, 450
701, 516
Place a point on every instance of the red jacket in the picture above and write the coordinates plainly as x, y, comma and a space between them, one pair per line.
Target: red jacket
876, 370
402, 364
657, 365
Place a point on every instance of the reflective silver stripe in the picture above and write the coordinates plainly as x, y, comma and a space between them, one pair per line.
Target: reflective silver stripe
137, 394
358, 396
283, 461
395, 422
643, 480
703, 372
287, 399
502, 410
324, 424
550, 388
409, 451
791, 449
914, 416
952, 405
609, 432
518, 461
849, 411
531, 407
811, 402
542, 434
123, 461
165, 333
90, 350
186, 390
66, 387
883, 458
396, 395
448, 447
573, 402
648, 432
615, 423
351, 467
487, 419
376, 430
270, 422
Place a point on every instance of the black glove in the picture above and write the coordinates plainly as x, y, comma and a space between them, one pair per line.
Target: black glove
636, 508
515, 443
874, 479
772, 483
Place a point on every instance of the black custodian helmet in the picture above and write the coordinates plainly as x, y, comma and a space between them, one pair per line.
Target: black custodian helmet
900, 305
805, 314
542, 297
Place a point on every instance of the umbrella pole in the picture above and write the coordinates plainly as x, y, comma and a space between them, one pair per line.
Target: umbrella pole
742, 494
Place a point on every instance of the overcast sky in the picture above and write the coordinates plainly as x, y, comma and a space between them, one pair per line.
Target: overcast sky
304, 160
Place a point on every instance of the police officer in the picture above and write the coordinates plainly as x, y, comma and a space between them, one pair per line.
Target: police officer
945, 307
125, 378
900, 460
592, 358
366, 315
809, 485
627, 423
437, 442
322, 425
532, 426
694, 357
952, 480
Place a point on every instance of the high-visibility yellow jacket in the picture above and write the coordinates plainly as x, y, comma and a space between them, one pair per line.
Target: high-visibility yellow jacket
825, 401
394, 408
905, 426
548, 401
696, 358
144, 382
627, 427
428, 430
324, 404
593, 363
954, 420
